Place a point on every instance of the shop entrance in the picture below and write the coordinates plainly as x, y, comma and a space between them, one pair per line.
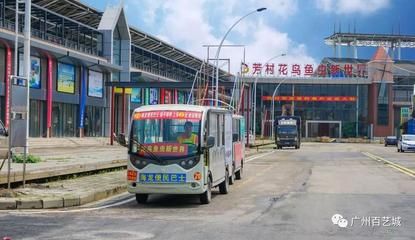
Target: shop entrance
318, 128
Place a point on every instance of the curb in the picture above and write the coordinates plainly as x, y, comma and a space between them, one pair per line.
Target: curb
64, 201
62, 171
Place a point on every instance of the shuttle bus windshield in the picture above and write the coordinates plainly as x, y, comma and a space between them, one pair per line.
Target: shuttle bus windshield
165, 134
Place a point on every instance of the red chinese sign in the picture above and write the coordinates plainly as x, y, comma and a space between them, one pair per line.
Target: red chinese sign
306, 70
311, 98
166, 149
190, 115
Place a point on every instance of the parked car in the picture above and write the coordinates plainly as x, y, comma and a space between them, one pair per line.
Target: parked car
391, 140
406, 142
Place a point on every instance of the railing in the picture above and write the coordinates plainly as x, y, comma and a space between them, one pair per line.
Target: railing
9, 25
156, 71
402, 99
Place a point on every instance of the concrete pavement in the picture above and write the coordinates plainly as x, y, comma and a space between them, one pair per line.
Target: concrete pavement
285, 194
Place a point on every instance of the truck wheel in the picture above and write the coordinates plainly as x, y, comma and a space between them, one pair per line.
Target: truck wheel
402, 149
224, 186
239, 173
206, 197
141, 198
296, 146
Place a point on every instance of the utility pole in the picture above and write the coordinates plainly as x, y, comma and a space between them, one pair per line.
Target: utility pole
26, 70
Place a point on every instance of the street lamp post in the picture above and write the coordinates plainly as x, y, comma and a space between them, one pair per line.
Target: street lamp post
273, 107
220, 46
254, 98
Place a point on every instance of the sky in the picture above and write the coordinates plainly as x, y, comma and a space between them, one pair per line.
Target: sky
296, 28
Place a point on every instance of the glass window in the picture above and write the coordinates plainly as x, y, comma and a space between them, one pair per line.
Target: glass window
36, 118
64, 120
93, 121
2, 107
164, 136
383, 105
116, 51
213, 127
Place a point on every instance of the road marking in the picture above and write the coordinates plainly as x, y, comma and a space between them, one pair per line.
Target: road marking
251, 178
398, 167
400, 170
263, 155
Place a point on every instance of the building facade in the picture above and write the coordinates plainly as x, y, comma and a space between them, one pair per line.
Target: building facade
76, 51
343, 105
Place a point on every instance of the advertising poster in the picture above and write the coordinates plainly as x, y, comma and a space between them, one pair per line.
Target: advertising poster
181, 97
95, 84
34, 78
136, 95
153, 96
167, 96
66, 78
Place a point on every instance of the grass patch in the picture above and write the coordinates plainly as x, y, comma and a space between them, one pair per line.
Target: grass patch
18, 158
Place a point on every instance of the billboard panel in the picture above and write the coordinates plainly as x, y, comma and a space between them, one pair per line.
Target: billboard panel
66, 78
136, 95
95, 84
34, 78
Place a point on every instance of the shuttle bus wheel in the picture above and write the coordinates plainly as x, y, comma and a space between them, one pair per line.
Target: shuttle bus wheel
206, 197
239, 173
232, 177
141, 198
224, 186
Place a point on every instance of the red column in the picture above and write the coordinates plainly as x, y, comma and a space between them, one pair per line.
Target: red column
123, 112
112, 112
162, 96
49, 97
7, 81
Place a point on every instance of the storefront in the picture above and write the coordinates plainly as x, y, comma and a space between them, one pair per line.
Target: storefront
37, 127
325, 109
64, 119
94, 121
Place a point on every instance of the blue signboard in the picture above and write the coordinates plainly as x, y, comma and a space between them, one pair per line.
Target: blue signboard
82, 97
411, 126
162, 178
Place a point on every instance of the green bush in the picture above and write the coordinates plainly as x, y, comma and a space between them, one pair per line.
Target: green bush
18, 158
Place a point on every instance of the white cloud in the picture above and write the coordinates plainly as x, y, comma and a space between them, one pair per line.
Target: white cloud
189, 24
352, 6
325, 5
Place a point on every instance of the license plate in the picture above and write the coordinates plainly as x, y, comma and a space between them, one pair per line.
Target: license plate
162, 178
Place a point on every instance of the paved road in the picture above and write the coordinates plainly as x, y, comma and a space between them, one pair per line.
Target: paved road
287, 194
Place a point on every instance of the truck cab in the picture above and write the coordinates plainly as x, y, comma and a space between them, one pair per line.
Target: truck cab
287, 132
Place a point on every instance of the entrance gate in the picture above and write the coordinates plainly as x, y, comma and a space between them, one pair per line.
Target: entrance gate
320, 128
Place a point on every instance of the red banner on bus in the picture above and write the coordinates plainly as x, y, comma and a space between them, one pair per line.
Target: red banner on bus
167, 149
190, 115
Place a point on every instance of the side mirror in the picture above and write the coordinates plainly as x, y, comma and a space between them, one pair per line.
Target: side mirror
3, 132
121, 140
235, 137
210, 142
